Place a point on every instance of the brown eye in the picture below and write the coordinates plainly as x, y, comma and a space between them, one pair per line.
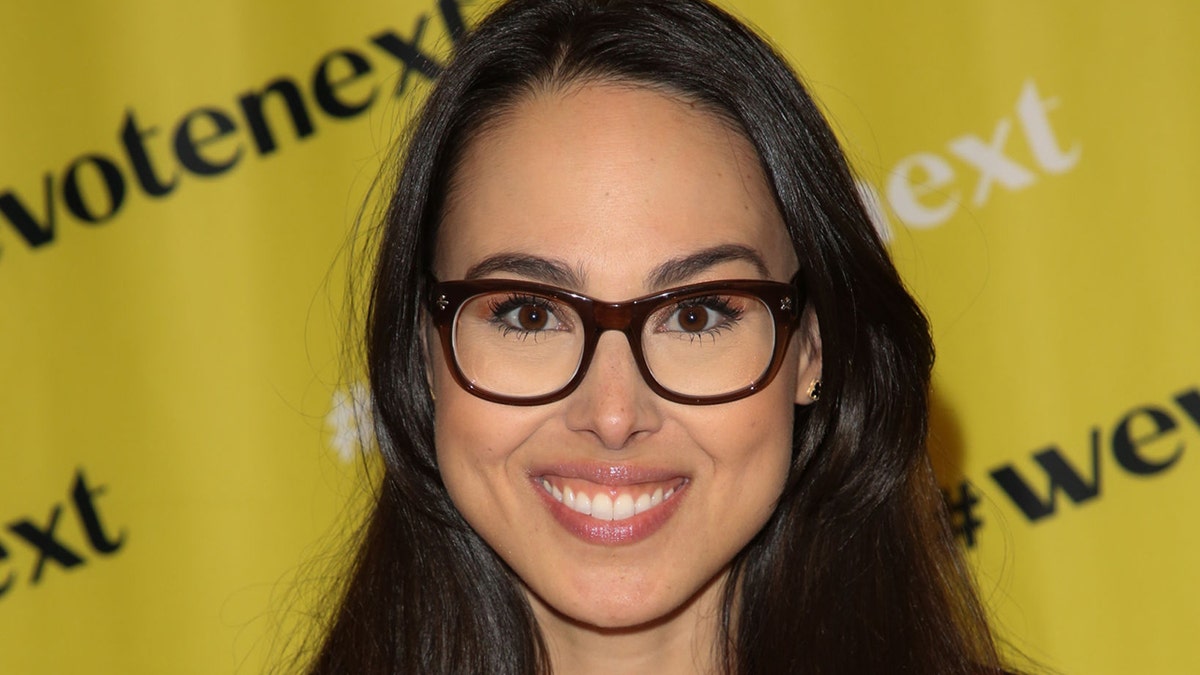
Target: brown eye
700, 316
522, 316
693, 319
531, 317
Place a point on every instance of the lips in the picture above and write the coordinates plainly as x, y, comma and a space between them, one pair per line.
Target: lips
610, 504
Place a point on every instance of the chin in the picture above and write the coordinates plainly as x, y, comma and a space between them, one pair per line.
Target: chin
630, 608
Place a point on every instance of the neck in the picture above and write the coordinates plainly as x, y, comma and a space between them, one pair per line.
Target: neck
681, 643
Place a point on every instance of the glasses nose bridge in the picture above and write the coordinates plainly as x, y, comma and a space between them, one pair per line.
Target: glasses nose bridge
621, 317
618, 316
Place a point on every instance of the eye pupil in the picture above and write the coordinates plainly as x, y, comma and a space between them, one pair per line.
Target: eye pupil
693, 319
531, 317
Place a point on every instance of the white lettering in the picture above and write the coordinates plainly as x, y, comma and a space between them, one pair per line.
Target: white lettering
904, 191
923, 190
874, 205
1031, 110
993, 165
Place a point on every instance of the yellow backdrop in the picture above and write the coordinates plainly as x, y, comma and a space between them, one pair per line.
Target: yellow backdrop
177, 185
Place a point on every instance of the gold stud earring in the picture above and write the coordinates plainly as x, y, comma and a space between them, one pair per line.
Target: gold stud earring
814, 390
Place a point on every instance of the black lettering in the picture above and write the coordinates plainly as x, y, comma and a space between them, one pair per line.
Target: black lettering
8, 582
188, 143
134, 140
85, 505
409, 54
962, 505
34, 233
252, 108
1061, 476
325, 87
1190, 402
48, 547
452, 17
113, 183
1125, 446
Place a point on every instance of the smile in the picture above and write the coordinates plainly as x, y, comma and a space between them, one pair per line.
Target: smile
610, 504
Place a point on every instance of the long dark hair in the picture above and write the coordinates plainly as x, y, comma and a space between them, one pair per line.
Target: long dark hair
857, 571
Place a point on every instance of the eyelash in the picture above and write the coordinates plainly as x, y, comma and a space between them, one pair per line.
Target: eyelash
729, 314
499, 308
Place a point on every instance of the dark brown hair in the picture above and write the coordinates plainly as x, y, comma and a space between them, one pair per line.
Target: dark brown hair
857, 571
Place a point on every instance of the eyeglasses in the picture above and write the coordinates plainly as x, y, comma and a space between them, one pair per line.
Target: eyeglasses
525, 343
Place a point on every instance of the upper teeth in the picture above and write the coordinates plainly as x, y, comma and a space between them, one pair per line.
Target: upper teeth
603, 507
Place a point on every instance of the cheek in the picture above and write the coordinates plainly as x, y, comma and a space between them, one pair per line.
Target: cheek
478, 444
470, 438
771, 425
471, 464
750, 446
764, 459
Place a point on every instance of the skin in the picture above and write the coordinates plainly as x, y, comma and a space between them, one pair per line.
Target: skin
611, 181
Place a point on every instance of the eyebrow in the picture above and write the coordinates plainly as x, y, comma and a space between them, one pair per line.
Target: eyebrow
676, 271
670, 273
546, 270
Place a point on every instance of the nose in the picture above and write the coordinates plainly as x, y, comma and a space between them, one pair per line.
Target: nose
613, 402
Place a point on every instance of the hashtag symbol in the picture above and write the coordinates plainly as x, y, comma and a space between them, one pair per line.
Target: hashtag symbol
962, 504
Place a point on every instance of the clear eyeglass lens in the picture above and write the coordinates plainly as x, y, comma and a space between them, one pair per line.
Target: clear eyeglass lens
518, 344
711, 345
527, 345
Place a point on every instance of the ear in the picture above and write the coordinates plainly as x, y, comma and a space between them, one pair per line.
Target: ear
809, 364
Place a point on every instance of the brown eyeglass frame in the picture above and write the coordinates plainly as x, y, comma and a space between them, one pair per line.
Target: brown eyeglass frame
785, 301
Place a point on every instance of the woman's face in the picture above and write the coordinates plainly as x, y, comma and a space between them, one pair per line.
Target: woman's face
601, 185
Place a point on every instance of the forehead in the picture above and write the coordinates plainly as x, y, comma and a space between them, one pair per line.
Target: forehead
610, 181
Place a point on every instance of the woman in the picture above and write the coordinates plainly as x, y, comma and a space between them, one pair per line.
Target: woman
649, 393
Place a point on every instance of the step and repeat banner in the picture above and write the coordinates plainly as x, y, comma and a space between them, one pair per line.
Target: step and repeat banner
178, 190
